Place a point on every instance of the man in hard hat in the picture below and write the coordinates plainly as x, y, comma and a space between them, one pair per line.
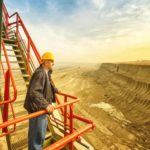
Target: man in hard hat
40, 95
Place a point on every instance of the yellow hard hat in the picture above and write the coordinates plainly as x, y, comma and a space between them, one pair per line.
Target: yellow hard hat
47, 56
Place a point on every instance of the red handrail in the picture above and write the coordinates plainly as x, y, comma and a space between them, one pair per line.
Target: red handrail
35, 114
67, 116
5, 130
11, 76
6, 15
19, 23
69, 138
7, 98
30, 41
2, 67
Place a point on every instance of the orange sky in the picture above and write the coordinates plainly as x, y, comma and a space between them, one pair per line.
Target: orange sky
88, 31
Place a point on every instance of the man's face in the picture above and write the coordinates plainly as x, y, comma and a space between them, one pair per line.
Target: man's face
49, 64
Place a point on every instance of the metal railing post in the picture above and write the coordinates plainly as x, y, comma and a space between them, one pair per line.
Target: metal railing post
17, 27
71, 125
28, 56
6, 98
6, 106
1, 3
65, 116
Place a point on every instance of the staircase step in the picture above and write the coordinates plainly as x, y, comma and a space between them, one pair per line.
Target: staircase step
48, 135
3, 36
20, 62
27, 83
18, 68
17, 62
26, 75
9, 44
48, 140
12, 37
11, 31
13, 50
8, 40
13, 55
19, 139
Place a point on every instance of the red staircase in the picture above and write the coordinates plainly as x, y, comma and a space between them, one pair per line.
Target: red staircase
16, 39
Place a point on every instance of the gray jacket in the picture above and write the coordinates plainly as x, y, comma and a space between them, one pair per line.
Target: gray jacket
40, 93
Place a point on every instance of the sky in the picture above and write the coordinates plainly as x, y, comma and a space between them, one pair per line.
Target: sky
90, 31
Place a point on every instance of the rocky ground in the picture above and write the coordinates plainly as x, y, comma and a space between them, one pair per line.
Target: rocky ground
116, 97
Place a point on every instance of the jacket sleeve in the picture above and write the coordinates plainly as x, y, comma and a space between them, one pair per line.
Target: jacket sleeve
36, 91
55, 89
53, 85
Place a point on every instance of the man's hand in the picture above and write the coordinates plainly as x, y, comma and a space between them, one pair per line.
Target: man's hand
50, 108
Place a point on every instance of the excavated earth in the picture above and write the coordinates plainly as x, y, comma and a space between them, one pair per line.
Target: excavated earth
116, 97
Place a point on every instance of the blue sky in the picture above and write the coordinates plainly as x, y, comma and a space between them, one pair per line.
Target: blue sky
88, 30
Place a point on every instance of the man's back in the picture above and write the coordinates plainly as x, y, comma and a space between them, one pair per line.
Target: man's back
39, 94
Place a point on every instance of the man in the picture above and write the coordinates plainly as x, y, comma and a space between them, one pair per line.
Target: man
40, 95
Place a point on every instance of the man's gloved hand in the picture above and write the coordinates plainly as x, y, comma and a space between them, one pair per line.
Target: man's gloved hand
50, 108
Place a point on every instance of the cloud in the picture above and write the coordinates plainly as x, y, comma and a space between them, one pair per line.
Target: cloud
85, 27
13, 6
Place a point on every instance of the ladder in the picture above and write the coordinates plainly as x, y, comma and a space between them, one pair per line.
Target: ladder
20, 58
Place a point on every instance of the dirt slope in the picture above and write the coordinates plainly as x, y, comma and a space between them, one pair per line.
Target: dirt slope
117, 98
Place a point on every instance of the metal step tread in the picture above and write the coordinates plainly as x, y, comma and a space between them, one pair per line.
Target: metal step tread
27, 83
48, 135
11, 31
9, 44
19, 140
18, 68
17, 62
13, 55
12, 37
8, 40
13, 50
26, 75
22, 141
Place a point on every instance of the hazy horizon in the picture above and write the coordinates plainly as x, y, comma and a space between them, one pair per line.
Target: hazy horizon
92, 31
